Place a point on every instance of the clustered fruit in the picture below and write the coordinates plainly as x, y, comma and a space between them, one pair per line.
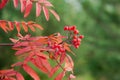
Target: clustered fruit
75, 37
58, 48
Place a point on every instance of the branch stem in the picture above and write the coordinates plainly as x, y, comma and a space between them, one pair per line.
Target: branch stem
6, 44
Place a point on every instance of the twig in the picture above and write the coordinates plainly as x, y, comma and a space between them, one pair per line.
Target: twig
6, 44
60, 65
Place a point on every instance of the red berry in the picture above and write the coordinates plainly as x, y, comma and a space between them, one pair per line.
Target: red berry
77, 46
76, 31
59, 46
49, 43
81, 36
66, 28
62, 50
78, 39
74, 40
73, 28
69, 28
75, 37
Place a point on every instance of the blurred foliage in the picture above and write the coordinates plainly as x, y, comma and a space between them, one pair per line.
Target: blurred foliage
98, 57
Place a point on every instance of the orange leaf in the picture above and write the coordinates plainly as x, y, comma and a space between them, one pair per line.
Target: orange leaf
11, 25
67, 48
25, 27
30, 22
42, 40
31, 72
3, 25
32, 28
38, 26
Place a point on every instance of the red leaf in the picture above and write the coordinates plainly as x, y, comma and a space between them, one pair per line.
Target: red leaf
37, 63
71, 77
55, 14
11, 25
46, 13
15, 3
28, 8
23, 5
38, 26
17, 64
42, 55
17, 26
69, 63
38, 9
29, 57
6, 71
25, 27
60, 76
47, 3
19, 76
23, 50
3, 25
31, 72
43, 40
21, 44
14, 40
46, 64
30, 22
32, 28
53, 71
3, 3
62, 57
67, 48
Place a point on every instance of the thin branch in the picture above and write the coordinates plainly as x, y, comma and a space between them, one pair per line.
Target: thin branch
59, 65
6, 44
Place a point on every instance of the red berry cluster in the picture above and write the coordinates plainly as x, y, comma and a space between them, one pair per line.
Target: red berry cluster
71, 28
58, 48
76, 38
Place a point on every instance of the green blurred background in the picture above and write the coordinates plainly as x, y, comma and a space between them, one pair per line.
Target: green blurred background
98, 57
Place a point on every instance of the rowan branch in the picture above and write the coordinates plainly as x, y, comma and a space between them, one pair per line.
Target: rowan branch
6, 44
